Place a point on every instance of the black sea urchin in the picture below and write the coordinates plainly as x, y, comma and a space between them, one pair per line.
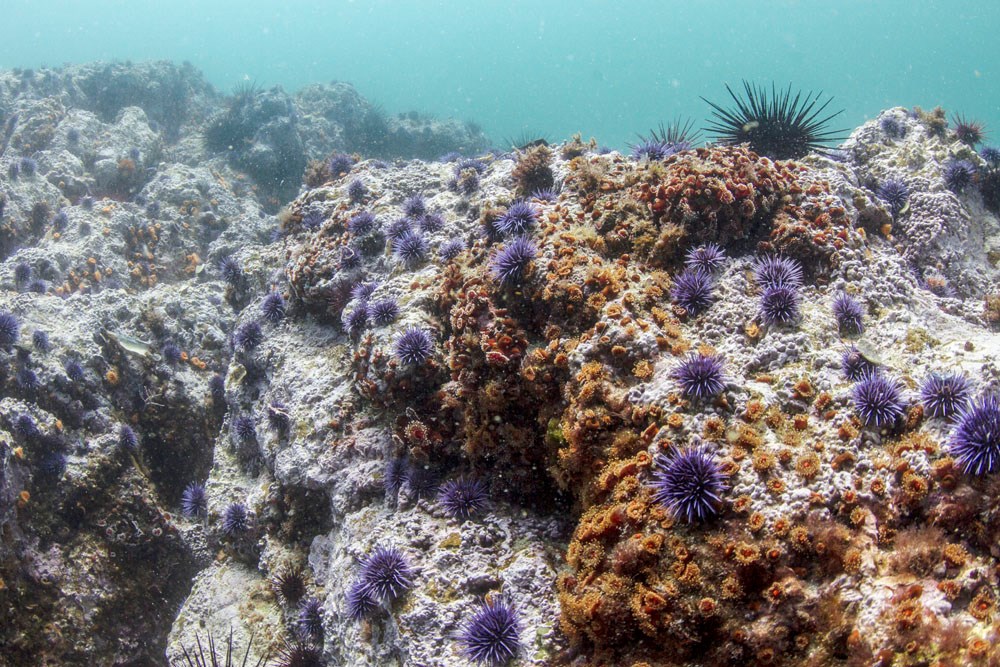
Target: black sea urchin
778, 125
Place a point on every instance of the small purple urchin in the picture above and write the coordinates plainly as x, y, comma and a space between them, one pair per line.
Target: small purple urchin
652, 149
356, 190
510, 264
707, 257
779, 304
386, 573
230, 270
40, 340
363, 291
774, 270
415, 207
236, 519
895, 194
245, 429
878, 399
383, 312
975, 441
451, 249
248, 336
310, 620
958, 175
361, 223
410, 248
360, 602
340, 163
849, 313
700, 376
395, 475
278, 416
273, 307
10, 328
520, 216
414, 346
357, 319
432, 222
127, 438
689, 483
194, 500
692, 290
462, 498
991, 154
854, 364
397, 228
945, 396
492, 635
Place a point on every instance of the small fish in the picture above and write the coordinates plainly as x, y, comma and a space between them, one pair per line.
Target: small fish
131, 344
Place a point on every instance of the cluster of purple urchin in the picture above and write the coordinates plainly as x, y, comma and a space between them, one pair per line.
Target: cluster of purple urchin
781, 280
692, 288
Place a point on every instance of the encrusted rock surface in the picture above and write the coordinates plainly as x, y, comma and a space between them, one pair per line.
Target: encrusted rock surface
150, 259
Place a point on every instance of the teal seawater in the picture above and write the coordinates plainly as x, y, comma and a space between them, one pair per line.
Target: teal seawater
607, 69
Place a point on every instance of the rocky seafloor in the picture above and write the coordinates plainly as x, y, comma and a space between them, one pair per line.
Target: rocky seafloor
254, 346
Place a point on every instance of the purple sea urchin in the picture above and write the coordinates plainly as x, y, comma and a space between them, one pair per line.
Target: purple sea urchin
462, 498
854, 365
127, 438
700, 376
230, 270
357, 319
451, 249
397, 228
339, 164
895, 194
24, 425
779, 304
878, 400
194, 500
361, 223
395, 475
410, 248
356, 191
773, 270
235, 519
248, 336
511, 262
432, 222
360, 602
245, 428
383, 312
273, 307
74, 370
386, 573
492, 636
300, 654
689, 483
707, 257
40, 341
975, 440
415, 207
414, 346
849, 314
518, 218
778, 125
991, 154
278, 416
945, 396
893, 127
363, 291
958, 175
10, 328
692, 290
171, 353
310, 621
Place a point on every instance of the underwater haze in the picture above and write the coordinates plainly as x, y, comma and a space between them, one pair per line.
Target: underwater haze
608, 70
